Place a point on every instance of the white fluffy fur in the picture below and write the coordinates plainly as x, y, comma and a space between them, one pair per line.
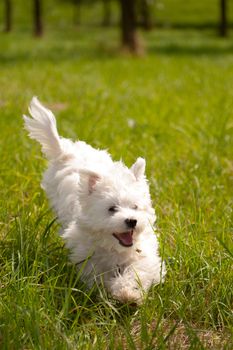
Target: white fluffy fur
82, 183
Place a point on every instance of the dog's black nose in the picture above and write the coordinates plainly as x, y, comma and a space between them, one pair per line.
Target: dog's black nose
131, 223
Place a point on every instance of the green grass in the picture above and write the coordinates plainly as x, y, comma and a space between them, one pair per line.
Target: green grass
182, 13
180, 97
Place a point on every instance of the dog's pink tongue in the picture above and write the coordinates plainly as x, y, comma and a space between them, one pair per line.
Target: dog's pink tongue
126, 238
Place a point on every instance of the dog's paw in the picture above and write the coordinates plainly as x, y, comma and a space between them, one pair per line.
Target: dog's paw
128, 295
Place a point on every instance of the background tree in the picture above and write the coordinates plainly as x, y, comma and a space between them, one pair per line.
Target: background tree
129, 35
144, 8
223, 18
77, 11
106, 13
37, 14
8, 16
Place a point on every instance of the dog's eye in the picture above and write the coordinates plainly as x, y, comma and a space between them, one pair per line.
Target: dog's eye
135, 207
113, 209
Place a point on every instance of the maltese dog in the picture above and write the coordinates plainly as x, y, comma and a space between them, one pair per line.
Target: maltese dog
104, 208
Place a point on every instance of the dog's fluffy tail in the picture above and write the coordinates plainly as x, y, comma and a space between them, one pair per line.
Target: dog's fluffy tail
42, 127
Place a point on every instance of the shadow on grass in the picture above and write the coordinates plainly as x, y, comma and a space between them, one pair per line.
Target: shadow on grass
102, 45
176, 49
192, 25
69, 55
57, 55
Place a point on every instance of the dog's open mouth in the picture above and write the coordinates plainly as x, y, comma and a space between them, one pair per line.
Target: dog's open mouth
125, 238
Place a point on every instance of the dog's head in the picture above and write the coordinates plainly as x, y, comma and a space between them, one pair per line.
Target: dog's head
116, 207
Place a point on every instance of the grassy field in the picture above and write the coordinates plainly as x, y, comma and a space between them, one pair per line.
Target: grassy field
179, 97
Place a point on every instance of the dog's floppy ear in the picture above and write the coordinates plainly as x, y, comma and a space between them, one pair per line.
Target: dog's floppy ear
138, 168
91, 177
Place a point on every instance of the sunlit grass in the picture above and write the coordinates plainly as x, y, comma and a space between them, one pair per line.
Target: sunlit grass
178, 100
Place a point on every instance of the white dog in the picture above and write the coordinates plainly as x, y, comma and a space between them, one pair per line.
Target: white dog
104, 208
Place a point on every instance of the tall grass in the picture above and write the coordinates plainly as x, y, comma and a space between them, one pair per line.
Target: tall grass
173, 107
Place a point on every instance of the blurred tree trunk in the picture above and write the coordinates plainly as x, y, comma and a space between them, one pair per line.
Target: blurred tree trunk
130, 41
77, 11
38, 23
106, 13
8, 16
145, 11
223, 18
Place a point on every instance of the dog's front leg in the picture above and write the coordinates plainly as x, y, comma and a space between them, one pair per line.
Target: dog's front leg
131, 283
127, 285
125, 288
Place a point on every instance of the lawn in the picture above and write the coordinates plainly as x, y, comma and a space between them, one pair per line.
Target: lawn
173, 107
